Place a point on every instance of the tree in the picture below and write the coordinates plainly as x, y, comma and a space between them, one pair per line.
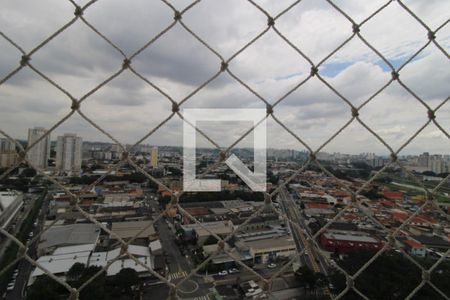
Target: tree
306, 277
95, 290
125, 279
45, 288
28, 172
429, 173
320, 280
75, 272
78, 274
211, 240
390, 276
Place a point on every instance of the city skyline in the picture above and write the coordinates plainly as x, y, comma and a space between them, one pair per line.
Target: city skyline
385, 154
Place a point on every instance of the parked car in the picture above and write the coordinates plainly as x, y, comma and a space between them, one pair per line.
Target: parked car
271, 266
233, 270
223, 273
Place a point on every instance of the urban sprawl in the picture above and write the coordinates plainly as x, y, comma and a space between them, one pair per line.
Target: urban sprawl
230, 239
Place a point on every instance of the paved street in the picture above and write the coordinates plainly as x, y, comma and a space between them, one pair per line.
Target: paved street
312, 259
17, 220
179, 267
24, 266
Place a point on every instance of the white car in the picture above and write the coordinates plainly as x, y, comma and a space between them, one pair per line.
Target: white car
271, 266
233, 270
223, 273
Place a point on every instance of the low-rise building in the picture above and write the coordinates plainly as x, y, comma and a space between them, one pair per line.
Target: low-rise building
131, 229
203, 232
345, 241
63, 258
264, 249
10, 201
414, 247
67, 235
141, 253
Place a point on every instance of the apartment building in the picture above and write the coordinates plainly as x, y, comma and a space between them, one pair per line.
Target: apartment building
69, 154
39, 154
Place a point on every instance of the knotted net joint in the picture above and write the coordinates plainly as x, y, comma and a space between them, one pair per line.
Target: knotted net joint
78, 11
355, 28
126, 63
177, 16
391, 241
220, 245
73, 294
395, 75
270, 21
22, 251
22, 155
429, 196
173, 293
431, 35
314, 71
125, 155
223, 66
353, 198
350, 282
123, 249
355, 112
426, 275
312, 156
393, 157
75, 105
266, 283
267, 200
24, 60
72, 201
222, 156
175, 107
269, 109
174, 201
431, 114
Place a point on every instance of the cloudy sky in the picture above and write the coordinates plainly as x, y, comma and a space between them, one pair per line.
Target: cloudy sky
128, 108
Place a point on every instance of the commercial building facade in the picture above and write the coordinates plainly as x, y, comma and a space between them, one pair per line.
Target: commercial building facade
346, 241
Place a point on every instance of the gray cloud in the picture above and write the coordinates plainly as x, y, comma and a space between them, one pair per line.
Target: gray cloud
78, 60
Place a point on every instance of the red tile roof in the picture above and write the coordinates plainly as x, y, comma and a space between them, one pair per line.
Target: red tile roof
317, 205
413, 243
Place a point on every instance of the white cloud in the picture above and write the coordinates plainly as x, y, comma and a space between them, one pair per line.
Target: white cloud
78, 60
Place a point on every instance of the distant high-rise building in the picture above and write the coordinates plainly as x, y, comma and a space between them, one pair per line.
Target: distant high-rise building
424, 159
437, 164
39, 154
68, 153
154, 157
8, 156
